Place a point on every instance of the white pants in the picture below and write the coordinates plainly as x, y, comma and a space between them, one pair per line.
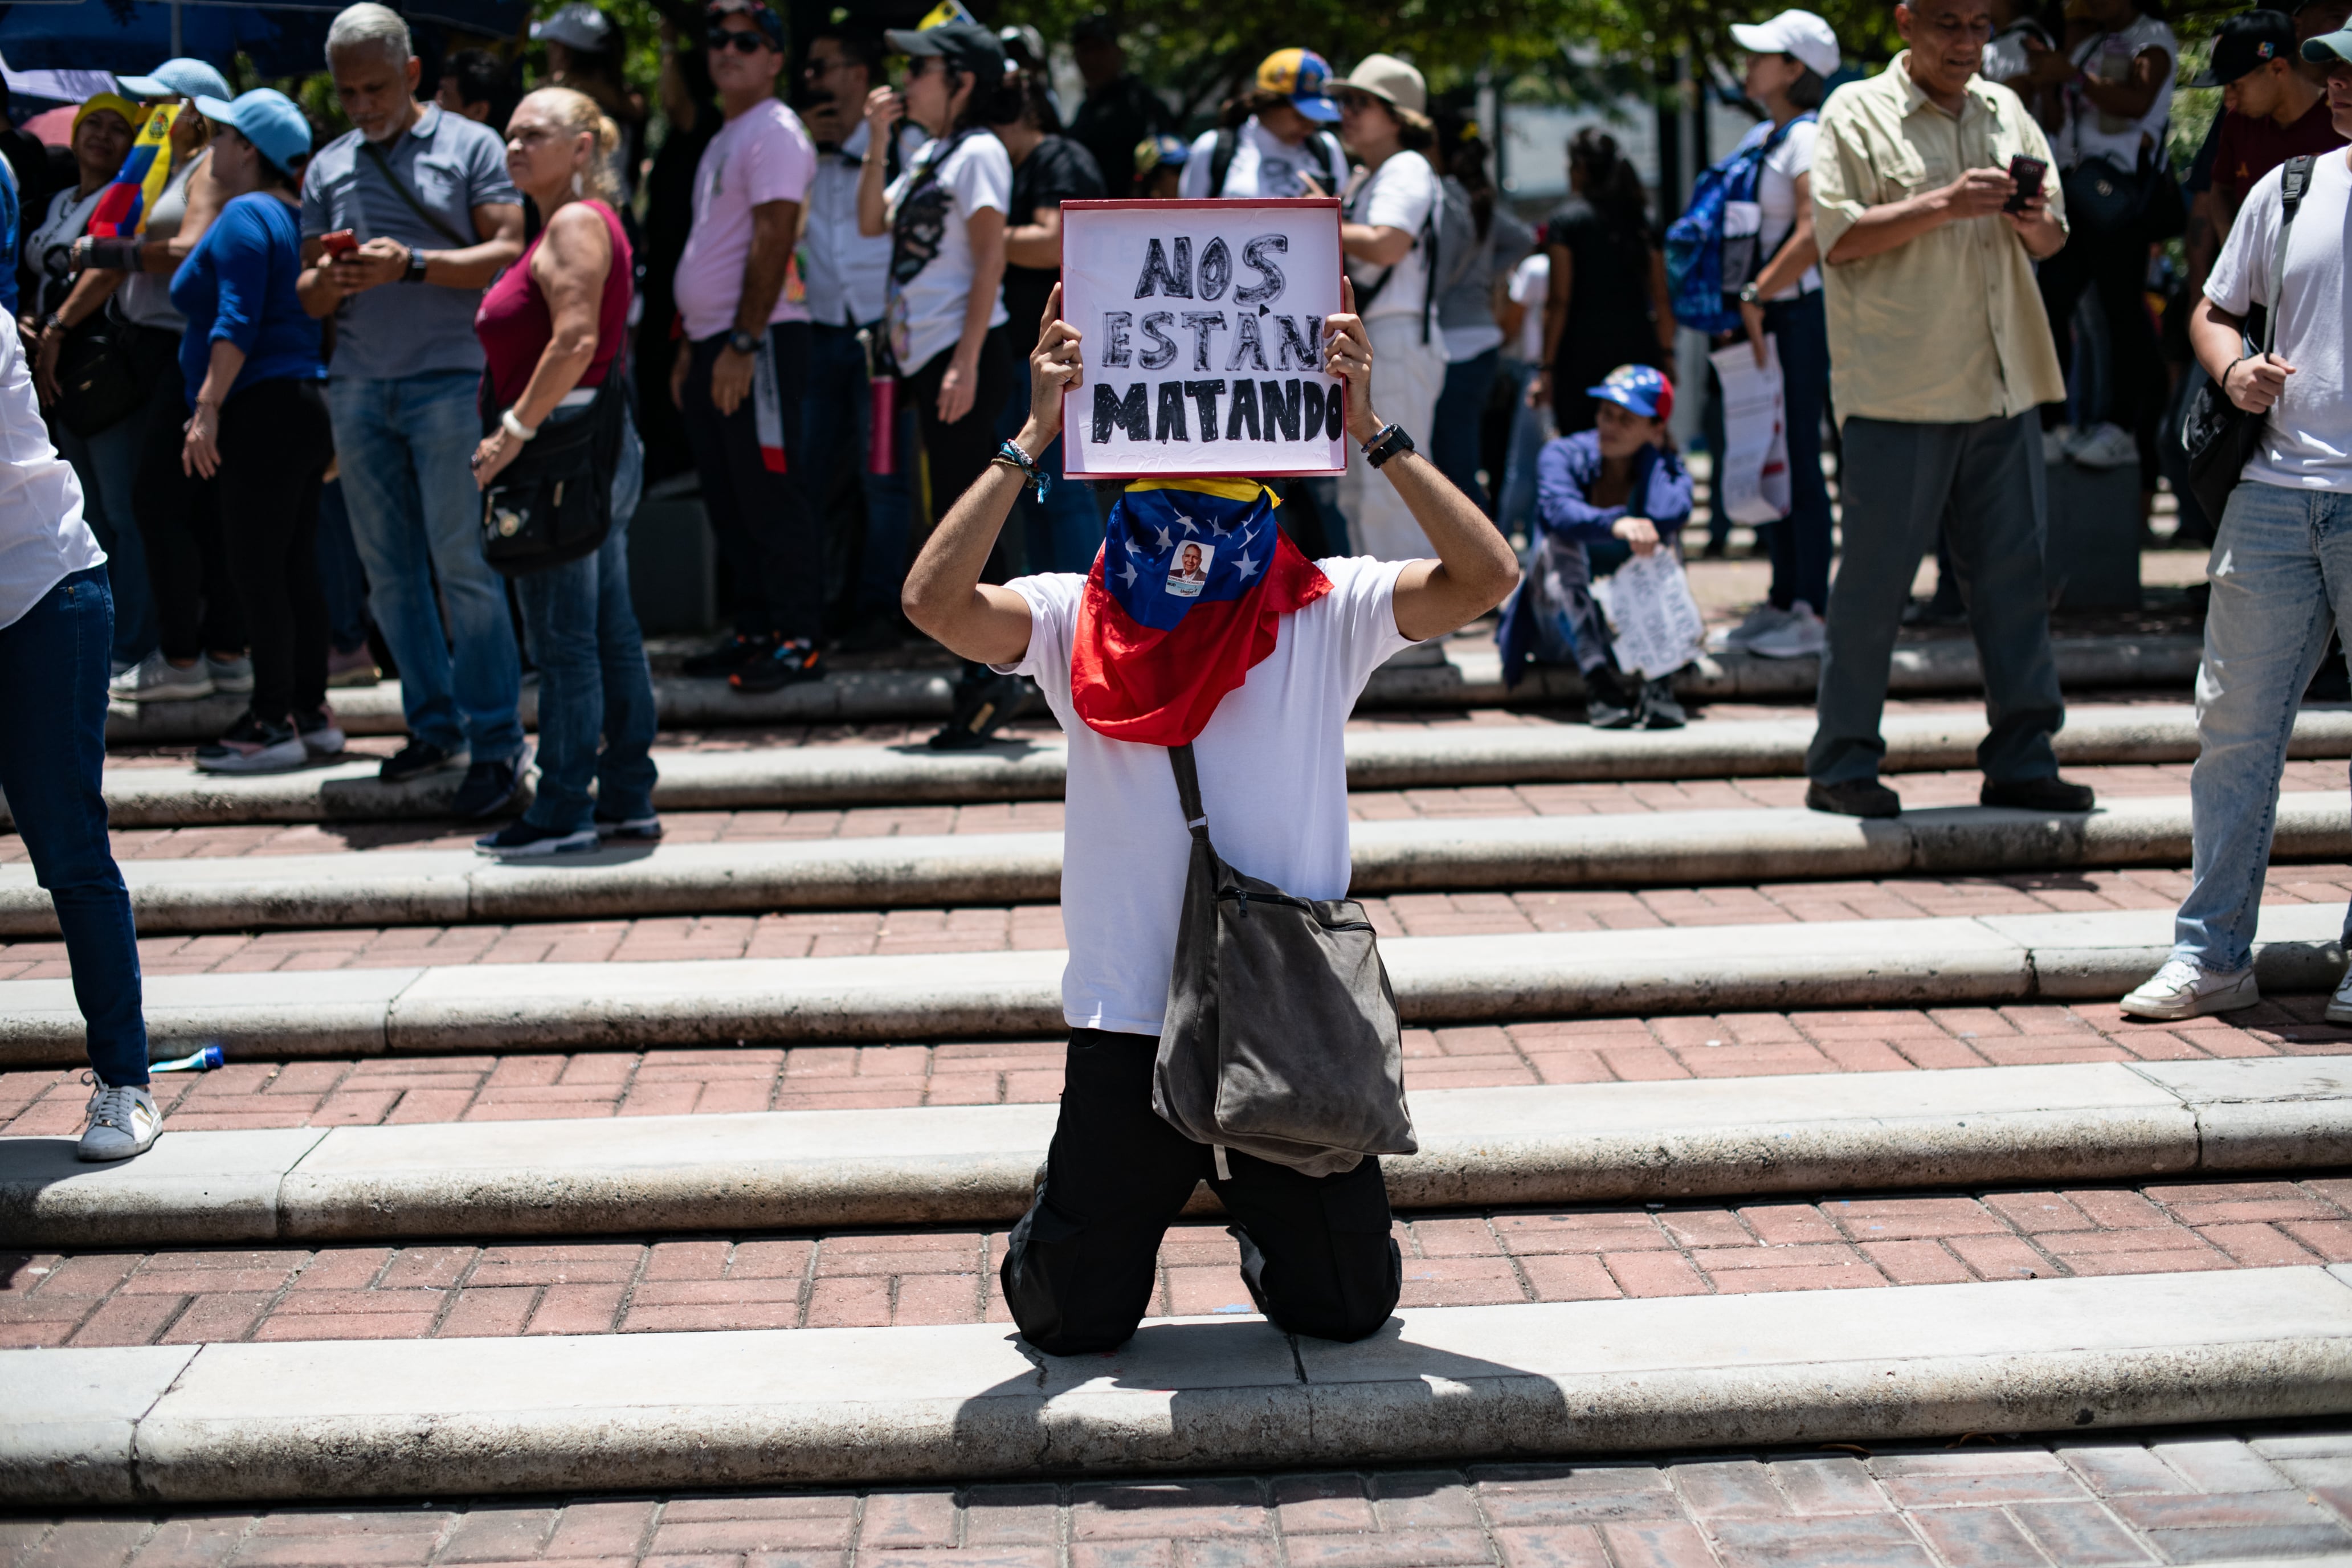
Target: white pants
1407, 376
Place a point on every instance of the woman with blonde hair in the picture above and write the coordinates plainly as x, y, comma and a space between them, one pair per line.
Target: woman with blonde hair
552, 328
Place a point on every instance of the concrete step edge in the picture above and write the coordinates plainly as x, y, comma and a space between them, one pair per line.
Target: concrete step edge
343, 1419
1480, 1148
1670, 848
516, 1007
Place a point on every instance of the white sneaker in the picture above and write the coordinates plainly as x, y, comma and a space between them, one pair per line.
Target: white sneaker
1763, 618
2104, 446
2182, 990
2053, 445
234, 675
1801, 636
2339, 1006
253, 746
123, 1121
157, 680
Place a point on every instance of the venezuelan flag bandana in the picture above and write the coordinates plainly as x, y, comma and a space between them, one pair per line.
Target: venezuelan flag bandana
1185, 600
124, 207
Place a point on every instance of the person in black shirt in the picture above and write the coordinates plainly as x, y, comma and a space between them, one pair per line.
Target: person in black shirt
1608, 304
1063, 532
1119, 111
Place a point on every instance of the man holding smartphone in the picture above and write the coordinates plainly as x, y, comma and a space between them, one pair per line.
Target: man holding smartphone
1940, 359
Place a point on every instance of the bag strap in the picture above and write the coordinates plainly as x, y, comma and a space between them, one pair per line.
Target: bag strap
2295, 178
1188, 787
415, 203
1221, 160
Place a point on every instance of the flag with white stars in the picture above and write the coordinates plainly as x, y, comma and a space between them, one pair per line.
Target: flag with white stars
1185, 598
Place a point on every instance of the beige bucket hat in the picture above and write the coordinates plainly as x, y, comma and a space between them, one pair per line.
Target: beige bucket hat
1391, 80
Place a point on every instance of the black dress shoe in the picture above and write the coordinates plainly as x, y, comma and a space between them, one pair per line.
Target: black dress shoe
418, 758
1853, 797
2053, 794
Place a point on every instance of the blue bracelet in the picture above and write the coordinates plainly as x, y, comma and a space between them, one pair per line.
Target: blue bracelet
1010, 453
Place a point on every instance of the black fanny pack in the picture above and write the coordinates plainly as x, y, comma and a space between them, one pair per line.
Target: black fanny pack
553, 503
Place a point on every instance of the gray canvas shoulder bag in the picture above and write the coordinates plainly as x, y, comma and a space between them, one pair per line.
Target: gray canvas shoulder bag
1280, 1037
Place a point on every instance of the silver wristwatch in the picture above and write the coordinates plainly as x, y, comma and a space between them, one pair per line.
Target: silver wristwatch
1747, 295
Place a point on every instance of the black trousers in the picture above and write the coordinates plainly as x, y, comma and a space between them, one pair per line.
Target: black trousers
196, 610
275, 444
960, 453
2115, 267
766, 524
1316, 1254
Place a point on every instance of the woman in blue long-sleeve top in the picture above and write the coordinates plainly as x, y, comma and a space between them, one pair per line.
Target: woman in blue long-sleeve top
258, 426
1619, 481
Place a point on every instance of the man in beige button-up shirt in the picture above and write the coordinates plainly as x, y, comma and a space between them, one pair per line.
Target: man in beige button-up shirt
1939, 355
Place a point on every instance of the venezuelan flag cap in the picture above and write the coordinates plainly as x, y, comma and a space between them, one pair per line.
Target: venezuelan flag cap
1300, 75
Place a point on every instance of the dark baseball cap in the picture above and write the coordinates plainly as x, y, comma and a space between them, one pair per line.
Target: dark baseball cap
2244, 43
965, 46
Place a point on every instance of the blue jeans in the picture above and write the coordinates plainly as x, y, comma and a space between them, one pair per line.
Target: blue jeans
404, 445
341, 578
53, 670
837, 416
107, 464
2282, 576
593, 680
1065, 531
1799, 541
1460, 416
1530, 429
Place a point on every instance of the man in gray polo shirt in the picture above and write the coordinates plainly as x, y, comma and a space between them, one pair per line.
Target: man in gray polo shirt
425, 193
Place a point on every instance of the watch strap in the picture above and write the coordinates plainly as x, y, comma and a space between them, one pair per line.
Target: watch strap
743, 342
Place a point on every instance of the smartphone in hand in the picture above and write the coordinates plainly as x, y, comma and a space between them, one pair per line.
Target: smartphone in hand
343, 242
2027, 172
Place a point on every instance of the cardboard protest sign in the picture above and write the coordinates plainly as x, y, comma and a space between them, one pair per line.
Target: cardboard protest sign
1202, 329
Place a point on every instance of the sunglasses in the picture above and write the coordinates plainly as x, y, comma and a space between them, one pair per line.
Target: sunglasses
750, 41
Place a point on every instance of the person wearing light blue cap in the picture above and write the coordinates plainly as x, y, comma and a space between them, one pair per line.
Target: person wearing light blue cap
176, 79
256, 425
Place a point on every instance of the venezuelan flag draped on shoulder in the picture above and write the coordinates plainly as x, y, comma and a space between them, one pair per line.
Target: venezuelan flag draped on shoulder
1185, 598
124, 205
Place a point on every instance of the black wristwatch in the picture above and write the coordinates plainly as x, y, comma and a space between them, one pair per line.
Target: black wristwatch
55, 320
415, 273
1386, 443
743, 342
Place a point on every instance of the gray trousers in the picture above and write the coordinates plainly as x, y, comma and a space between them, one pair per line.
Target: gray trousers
1982, 483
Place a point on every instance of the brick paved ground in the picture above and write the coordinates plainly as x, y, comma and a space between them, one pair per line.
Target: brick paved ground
2186, 1495
376, 1090
912, 1277
848, 932
1918, 789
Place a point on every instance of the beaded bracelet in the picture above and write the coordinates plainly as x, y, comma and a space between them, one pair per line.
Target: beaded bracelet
1011, 454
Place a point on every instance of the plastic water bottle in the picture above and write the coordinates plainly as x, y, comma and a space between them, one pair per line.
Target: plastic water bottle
205, 1060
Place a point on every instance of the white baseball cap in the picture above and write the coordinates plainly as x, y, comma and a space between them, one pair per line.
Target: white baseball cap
1800, 34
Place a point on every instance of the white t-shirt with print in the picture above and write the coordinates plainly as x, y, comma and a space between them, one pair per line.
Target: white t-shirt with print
2308, 439
2089, 133
1400, 194
1264, 166
1530, 285
1273, 780
975, 177
1776, 194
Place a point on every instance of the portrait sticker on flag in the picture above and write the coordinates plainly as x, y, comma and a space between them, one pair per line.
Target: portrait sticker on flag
1201, 325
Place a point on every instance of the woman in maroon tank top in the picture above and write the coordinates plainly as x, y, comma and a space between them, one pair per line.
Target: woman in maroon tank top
551, 327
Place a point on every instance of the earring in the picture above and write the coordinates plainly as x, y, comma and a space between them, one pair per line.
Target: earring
577, 188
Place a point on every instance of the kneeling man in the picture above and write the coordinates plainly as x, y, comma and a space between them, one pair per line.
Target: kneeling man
1258, 667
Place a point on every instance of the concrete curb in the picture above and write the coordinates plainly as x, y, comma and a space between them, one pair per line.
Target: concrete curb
515, 1007
974, 1165
225, 1423
1672, 848
1471, 677
1456, 757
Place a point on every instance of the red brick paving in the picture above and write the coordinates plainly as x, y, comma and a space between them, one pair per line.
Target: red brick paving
848, 932
365, 1092
903, 1279
2279, 1493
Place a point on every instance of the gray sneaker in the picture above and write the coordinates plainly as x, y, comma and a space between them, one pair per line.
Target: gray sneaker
123, 1121
157, 680
234, 675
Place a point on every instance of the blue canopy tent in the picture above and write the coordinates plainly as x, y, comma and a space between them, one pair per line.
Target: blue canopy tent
130, 37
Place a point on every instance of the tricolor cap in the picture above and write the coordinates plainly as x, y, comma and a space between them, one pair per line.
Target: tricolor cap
265, 116
1300, 75
2244, 43
181, 77
1637, 388
1160, 153
1801, 36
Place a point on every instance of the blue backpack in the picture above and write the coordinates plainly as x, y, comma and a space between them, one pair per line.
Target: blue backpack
1707, 264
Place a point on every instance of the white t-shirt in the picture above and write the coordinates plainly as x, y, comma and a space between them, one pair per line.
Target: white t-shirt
1273, 780
43, 540
1776, 192
2308, 439
1264, 166
2089, 133
1530, 285
1399, 195
762, 156
973, 174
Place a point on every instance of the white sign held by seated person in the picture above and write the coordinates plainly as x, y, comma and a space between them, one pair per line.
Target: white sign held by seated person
1201, 332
